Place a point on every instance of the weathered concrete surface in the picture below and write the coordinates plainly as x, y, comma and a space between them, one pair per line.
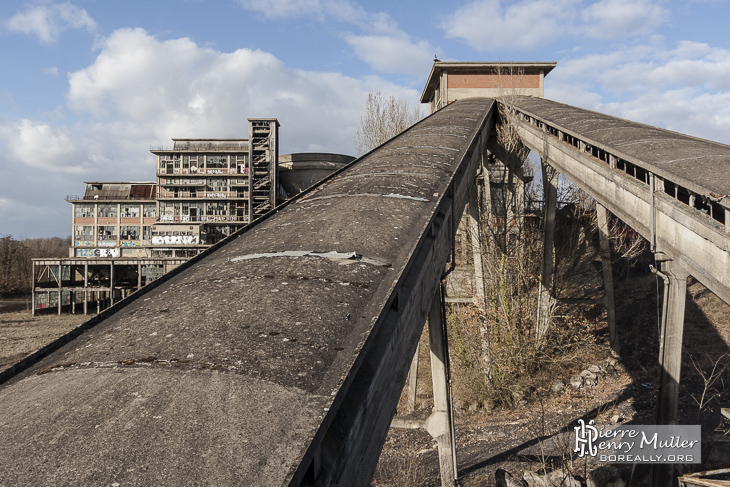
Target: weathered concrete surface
683, 233
697, 164
257, 365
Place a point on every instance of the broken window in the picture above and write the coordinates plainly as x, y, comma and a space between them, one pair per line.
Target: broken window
84, 210
83, 232
130, 211
129, 233
107, 211
106, 232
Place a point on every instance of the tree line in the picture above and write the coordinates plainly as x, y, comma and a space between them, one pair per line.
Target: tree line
16, 264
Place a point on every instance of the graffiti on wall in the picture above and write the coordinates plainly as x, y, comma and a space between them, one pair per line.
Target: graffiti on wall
83, 243
97, 252
175, 240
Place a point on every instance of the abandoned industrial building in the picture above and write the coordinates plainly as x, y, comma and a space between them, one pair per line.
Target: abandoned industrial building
127, 234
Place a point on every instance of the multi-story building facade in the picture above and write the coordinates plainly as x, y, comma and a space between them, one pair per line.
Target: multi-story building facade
113, 219
206, 189
127, 234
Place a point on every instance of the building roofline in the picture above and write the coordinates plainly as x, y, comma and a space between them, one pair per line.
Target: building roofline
211, 140
265, 120
441, 66
120, 182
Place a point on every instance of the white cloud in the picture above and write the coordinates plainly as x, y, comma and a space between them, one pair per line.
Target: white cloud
615, 19
335, 10
42, 146
141, 92
278, 9
380, 42
685, 88
396, 54
176, 88
47, 22
490, 25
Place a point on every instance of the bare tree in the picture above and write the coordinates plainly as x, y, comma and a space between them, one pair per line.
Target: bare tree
384, 118
16, 265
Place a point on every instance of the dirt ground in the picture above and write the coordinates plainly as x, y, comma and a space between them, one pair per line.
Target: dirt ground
525, 437
529, 437
22, 334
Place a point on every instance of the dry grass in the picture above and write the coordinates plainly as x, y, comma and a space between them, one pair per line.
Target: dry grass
21, 333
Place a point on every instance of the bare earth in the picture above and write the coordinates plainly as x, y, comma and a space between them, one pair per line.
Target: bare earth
525, 438
22, 334
522, 438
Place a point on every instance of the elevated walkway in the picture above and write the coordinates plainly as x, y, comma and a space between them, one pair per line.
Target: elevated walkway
276, 358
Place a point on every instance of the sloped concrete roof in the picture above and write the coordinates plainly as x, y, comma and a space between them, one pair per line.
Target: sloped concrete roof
224, 372
697, 164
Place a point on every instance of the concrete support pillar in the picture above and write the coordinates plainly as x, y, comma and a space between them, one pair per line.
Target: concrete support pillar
670, 343
439, 424
476, 249
670, 358
139, 276
60, 287
413, 381
608, 298
545, 299
111, 283
32, 293
86, 285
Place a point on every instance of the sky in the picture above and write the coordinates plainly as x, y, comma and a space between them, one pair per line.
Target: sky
89, 86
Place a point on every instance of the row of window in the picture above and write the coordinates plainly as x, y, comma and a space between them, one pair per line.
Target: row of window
112, 210
213, 161
201, 209
109, 232
201, 182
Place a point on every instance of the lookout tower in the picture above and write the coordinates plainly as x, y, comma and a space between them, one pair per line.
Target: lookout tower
449, 81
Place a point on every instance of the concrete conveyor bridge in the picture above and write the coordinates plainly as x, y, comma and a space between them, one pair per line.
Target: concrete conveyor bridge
278, 356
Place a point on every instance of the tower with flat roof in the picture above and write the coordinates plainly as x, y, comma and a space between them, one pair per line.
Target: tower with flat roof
450, 81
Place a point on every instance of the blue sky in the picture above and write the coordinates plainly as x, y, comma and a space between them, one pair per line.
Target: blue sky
88, 86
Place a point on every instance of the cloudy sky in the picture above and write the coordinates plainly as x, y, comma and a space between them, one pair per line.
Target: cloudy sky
88, 86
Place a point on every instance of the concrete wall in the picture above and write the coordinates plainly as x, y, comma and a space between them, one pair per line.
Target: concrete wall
299, 171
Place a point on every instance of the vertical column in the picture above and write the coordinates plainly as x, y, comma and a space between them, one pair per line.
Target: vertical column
86, 285
139, 275
670, 358
476, 249
32, 291
670, 343
608, 298
439, 423
60, 287
111, 283
413, 381
545, 299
